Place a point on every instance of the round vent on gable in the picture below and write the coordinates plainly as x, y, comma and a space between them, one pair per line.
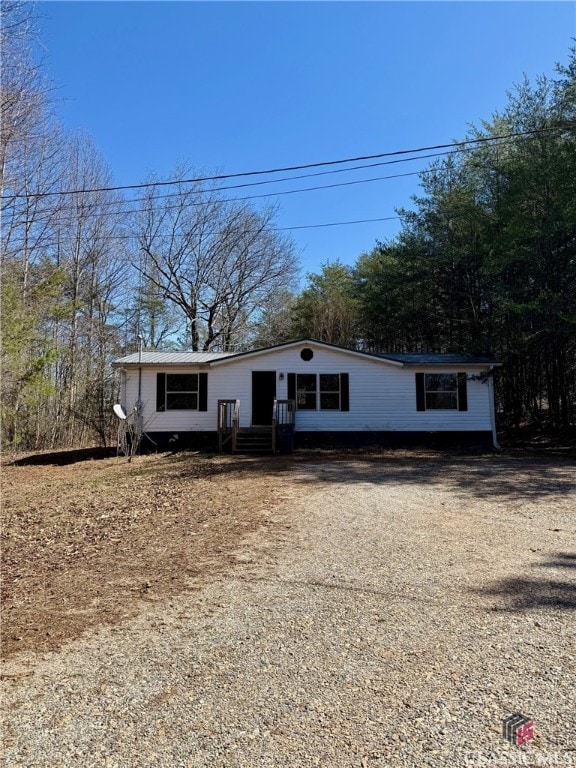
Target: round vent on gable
306, 354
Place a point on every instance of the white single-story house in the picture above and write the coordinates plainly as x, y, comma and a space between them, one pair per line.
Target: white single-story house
308, 392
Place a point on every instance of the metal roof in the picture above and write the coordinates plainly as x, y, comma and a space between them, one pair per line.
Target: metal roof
440, 359
205, 358
170, 358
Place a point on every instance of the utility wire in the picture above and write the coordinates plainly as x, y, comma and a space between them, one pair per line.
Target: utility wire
286, 169
179, 206
133, 238
337, 223
253, 183
108, 237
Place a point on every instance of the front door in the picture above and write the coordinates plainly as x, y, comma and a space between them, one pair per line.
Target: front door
263, 394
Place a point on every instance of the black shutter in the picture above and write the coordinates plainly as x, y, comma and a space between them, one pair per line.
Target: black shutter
462, 393
291, 386
420, 393
344, 392
160, 391
202, 391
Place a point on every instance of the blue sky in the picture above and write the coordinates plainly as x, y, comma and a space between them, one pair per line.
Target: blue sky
242, 86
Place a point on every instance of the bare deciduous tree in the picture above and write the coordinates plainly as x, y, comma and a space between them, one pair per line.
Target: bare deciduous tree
217, 260
89, 250
22, 91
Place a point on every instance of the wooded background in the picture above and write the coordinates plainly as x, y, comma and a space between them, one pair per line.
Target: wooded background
485, 263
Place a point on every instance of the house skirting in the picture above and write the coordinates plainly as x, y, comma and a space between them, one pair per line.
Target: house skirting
360, 439
208, 441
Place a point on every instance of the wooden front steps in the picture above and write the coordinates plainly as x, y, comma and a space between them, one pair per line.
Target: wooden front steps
278, 437
254, 440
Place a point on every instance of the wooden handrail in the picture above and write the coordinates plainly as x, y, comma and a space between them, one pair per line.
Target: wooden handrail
235, 424
283, 415
228, 422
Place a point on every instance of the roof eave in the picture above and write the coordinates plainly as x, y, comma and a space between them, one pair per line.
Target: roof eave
311, 342
461, 364
159, 364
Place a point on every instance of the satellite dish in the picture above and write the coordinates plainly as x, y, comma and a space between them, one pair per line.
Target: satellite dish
120, 411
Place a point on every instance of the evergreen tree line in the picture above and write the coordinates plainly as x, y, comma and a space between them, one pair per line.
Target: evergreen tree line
484, 263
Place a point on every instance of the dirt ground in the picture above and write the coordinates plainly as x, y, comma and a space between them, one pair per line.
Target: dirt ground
85, 543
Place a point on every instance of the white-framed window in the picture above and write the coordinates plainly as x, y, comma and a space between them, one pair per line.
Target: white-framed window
181, 392
441, 391
318, 391
306, 392
330, 389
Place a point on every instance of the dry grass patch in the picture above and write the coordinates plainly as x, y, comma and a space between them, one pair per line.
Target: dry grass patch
86, 543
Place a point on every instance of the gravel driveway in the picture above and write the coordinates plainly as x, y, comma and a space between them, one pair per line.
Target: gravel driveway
390, 613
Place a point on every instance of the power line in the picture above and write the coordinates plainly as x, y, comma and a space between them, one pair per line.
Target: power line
337, 223
286, 169
129, 201
133, 238
179, 206
274, 181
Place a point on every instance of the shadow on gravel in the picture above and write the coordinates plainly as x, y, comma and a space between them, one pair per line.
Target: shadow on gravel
339, 586
524, 594
480, 475
484, 477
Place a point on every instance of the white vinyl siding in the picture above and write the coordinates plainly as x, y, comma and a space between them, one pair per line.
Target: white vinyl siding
381, 395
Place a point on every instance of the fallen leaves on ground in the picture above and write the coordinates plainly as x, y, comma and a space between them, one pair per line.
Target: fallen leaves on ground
84, 543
